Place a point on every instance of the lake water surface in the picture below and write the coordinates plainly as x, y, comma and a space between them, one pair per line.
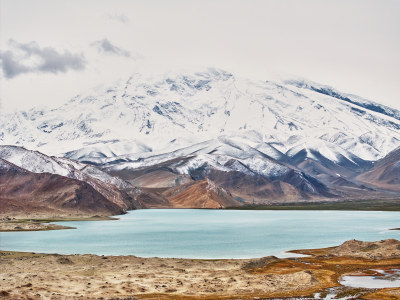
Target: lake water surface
190, 233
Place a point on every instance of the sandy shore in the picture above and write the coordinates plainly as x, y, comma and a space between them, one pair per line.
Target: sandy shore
52, 276
29, 226
25, 224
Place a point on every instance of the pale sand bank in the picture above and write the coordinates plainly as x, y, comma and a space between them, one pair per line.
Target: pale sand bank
52, 276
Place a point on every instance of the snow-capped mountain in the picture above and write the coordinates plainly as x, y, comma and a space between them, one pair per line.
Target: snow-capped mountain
157, 138
147, 116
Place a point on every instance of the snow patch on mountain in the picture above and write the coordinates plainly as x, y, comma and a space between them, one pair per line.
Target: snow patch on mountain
327, 150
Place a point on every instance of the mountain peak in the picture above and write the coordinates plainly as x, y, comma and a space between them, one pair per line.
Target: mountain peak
192, 107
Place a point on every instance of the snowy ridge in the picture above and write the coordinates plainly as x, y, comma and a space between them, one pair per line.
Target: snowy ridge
150, 116
37, 162
223, 154
326, 149
353, 99
34, 161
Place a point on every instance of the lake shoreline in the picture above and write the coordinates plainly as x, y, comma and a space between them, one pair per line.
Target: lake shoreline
204, 234
22, 221
44, 224
25, 274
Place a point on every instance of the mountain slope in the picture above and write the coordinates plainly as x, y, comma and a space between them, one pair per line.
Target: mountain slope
24, 193
353, 99
255, 189
385, 172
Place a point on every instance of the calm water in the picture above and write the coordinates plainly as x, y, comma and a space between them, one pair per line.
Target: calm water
388, 280
188, 233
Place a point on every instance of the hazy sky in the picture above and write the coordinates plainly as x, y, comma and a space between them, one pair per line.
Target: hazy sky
52, 50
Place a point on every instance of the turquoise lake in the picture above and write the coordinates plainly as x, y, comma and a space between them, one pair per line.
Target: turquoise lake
190, 233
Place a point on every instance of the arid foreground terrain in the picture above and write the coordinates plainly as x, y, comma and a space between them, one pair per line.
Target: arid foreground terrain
53, 276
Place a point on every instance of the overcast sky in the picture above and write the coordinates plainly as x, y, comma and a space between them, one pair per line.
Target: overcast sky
52, 50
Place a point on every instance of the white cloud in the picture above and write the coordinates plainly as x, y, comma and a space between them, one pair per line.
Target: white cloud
353, 45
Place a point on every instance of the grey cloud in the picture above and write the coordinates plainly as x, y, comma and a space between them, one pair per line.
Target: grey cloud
120, 18
10, 66
105, 46
31, 58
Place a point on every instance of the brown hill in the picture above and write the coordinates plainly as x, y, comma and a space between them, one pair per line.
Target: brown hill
201, 194
27, 194
112, 193
293, 186
254, 189
385, 172
33, 161
160, 179
149, 197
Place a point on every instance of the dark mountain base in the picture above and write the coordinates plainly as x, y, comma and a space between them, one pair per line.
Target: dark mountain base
365, 205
